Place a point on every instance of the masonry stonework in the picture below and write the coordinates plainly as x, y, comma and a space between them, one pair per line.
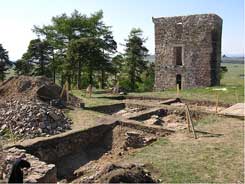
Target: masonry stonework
188, 51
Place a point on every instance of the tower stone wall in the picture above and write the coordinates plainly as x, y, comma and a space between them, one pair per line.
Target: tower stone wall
187, 51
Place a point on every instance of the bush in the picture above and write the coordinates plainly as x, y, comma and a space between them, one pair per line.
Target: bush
223, 70
126, 84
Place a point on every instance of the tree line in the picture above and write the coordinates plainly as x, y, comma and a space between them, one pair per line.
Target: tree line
81, 50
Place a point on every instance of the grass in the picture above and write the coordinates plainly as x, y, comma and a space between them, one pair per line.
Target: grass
83, 119
231, 81
180, 158
95, 99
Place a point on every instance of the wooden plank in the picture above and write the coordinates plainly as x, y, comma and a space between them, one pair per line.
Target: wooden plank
187, 120
235, 110
169, 101
191, 123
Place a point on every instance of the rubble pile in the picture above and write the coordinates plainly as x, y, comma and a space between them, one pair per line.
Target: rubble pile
175, 122
31, 119
39, 172
28, 107
121, 173
29, 88
154, 120
127, 111
171, 121
136, 140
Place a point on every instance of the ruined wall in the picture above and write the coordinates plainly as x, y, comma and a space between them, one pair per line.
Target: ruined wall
199, 36
39, 172
52, 149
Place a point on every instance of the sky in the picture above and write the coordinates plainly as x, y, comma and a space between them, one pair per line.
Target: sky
17, 18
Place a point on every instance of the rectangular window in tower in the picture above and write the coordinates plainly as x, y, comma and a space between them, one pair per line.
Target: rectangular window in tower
178, 56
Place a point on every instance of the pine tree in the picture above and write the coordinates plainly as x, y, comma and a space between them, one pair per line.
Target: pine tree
135, 54
4, 62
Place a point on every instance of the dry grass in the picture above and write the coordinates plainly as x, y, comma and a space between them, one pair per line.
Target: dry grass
95, 99
210, 158
83, 119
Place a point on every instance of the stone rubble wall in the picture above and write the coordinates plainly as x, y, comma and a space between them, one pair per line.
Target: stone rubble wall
39, 172
200, 38
44, 153
52, 148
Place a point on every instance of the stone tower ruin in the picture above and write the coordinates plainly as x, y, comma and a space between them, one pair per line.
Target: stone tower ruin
187, 51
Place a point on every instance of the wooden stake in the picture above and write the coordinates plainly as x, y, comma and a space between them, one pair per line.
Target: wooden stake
187, 120
67, 92
217, 102
177, 90
63, 90
190, 121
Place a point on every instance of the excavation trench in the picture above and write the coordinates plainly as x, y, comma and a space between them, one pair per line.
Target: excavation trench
148, 102
168, 117
80, 155
92, 155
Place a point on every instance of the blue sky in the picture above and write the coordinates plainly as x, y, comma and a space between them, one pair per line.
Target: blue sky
17, 18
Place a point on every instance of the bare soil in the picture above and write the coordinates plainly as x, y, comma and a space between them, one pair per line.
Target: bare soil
85, 165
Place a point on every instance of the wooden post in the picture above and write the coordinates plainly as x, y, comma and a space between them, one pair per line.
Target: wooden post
191, 123
217, 102
187, 120
177, 90
67, 92
63, 90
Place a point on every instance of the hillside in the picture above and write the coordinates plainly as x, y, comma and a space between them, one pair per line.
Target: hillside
232, 60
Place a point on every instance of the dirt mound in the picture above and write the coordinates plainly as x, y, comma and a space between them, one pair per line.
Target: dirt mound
22, 86
28, 88
122, 173
27, 107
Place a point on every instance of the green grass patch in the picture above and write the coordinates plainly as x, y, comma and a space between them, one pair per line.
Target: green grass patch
96, 98
207, 120
182, 159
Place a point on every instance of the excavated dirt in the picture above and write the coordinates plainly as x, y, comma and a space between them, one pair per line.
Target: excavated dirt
29, 88
121, 173
89, 165
27, 107
171, 121
127, 111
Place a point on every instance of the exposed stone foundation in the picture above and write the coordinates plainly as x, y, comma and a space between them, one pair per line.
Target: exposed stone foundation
39, 172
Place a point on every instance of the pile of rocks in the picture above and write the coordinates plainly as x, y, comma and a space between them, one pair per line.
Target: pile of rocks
39, 172
42, 88
127, 111
137, 140
121, 173
29, 119
154, 120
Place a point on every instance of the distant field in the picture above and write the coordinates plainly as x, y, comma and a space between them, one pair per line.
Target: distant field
233, 81
233, 60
